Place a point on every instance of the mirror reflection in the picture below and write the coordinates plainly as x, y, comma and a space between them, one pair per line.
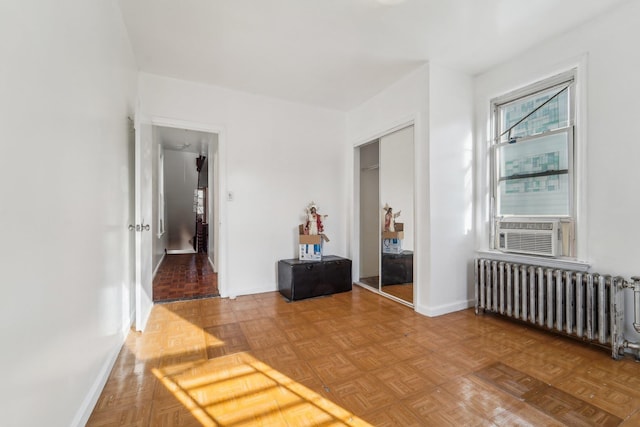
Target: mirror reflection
396, 195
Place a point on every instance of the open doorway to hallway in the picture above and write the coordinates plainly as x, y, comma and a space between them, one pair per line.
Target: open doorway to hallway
185, 276
185, 243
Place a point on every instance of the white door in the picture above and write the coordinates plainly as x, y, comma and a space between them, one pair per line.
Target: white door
144, 288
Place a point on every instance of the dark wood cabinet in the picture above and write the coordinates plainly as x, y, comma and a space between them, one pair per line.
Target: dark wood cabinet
305, 279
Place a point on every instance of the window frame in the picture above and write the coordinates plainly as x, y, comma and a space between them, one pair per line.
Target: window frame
569, 79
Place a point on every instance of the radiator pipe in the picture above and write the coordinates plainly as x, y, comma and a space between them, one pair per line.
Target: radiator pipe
636, 306
634, 346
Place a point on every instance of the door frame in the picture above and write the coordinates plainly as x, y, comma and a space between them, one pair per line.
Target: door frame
221, 220
143, 302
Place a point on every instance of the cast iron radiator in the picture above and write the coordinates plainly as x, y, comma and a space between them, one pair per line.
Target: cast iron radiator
585, 306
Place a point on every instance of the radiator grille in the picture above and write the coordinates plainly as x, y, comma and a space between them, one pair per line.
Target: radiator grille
529, 237
585, 306
520, 225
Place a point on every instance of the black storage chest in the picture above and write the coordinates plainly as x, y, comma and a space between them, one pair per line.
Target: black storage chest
397, 268
305, 279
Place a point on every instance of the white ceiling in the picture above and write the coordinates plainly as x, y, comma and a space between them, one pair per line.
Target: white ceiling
336, 53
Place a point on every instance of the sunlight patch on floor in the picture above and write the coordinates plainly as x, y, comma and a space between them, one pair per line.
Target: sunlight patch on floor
239, 390
176, 339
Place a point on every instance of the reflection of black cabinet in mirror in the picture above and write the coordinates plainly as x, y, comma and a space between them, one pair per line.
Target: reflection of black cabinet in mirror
305, 279
397, 268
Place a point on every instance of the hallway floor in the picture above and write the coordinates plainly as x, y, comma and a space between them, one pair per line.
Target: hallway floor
185, 276
357, 359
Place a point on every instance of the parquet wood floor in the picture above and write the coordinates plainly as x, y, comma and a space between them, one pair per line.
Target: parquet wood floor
404, 291
357, 359
372, 281
184, 276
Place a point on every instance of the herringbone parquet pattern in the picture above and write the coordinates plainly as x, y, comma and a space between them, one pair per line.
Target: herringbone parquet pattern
184, 276
357, 359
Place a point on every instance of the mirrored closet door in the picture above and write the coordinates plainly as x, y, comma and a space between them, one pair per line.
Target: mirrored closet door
386, 214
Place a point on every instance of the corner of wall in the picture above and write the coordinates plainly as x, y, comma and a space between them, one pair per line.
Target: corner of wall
434, 311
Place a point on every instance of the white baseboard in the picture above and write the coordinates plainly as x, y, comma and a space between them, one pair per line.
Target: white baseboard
86, 408
251, 291
180, 251
445, 308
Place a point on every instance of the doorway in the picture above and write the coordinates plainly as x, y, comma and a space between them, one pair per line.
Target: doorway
185, 244
149, 232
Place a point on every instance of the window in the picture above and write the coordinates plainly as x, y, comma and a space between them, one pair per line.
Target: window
532, 159
199, 203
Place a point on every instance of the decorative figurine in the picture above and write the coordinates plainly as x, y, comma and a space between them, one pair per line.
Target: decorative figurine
390, 218
313, 225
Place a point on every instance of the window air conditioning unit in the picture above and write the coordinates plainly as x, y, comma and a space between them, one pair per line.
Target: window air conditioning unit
529, 237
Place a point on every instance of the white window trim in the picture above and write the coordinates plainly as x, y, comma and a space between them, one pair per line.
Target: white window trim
579, 70
580, 159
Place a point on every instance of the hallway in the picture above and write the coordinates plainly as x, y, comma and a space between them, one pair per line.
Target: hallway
183, 277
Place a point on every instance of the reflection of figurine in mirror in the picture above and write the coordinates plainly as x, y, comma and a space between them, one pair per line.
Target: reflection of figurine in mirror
390, 218
314, 225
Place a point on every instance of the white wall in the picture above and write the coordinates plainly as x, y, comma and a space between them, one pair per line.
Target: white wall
606, 49
278, 157
181, 179
439, 101
68, 84
451, 171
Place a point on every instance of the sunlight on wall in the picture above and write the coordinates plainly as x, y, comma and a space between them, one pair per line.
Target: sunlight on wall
468, 183
483, 201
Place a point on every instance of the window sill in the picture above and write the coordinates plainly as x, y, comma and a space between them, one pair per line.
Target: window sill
560, 263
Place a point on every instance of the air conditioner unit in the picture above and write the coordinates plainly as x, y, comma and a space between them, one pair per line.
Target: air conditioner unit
529, 237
